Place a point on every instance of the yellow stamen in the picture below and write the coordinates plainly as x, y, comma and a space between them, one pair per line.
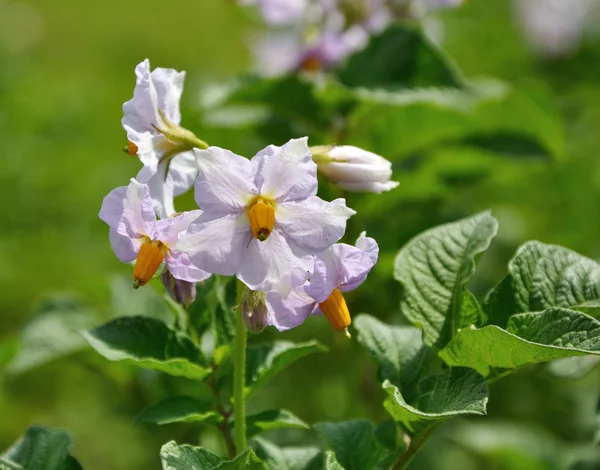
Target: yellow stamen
149, 258
336, 311
262, 218
131, 149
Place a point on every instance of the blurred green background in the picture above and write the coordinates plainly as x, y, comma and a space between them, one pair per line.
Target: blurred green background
66, 67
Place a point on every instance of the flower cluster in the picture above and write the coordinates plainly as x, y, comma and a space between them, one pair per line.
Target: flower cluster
260, 219
318, 34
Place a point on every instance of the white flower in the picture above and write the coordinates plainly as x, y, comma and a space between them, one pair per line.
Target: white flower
354, 169
262, 220
151, 119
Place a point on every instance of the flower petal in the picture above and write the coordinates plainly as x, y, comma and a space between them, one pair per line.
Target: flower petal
168, 84
271, 265
141, 111
291, 312
368, 186
125, 248
355, 263
217, 244
313, 225
325, 278
225, 182
160, 89
161, 194
128, 209
288, 172
181, 267
183, 171
171, 229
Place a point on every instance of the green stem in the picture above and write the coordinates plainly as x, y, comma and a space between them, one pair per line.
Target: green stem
239, 375
416, 443
499, 376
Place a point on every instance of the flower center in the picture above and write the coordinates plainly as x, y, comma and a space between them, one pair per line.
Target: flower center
149, 258
336, 311
262, 218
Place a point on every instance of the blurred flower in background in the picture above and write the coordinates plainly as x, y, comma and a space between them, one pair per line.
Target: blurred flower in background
556, 28
315, 35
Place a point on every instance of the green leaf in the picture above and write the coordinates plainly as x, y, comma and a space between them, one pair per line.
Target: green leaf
331, 463
272, 419
180, 410
531, 337
150, 344
289, 458
40, 448
400, 57
454, 392
265, 360
398, 350
51, 333
471, 311
213, 309
434, 268
353, 443
543, 276
186, 457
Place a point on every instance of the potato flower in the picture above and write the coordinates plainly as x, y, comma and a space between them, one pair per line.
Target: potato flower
261, 219
151, 119
135, 234
341, 268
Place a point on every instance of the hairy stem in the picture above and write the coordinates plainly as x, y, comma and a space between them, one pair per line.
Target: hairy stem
414, 447
224, 426
239, 375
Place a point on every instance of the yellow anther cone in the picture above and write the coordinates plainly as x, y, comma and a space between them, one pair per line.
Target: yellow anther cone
262, 219
336, 311
149, 258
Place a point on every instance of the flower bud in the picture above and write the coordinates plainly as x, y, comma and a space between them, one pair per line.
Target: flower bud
354, 169
182, 292
254, 310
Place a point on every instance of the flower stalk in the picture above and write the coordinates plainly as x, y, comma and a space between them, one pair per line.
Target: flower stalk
239, 373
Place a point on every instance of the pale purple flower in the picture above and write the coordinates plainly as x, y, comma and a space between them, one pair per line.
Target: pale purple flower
342, 267
134, 229
354, 169
283, 12
151, 119
556, 27
262, 220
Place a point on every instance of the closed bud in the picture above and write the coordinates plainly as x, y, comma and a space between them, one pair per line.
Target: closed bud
354, 169
254, 310
182, 292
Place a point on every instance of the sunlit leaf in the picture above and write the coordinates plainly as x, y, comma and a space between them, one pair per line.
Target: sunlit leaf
434, 267
180, 410
530, 337
150, 344
40, 448
353, 443
272, 419
186, 457
542, 276
287, 458
454, 392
